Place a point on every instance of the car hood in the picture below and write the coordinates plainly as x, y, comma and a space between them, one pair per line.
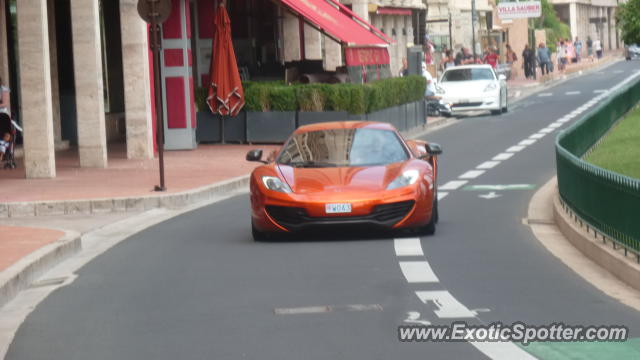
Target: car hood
465, 88
336, 180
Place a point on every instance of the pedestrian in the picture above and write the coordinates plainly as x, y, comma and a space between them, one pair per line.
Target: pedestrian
597, 45
511, 58
430, 90
562, 55
491, 57
544, 58
404, 71
577, 44
448, 60
571, 52
590, 48
527, 55
428, 51
464, 57
5, 99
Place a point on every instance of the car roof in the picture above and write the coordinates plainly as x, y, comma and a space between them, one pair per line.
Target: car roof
473, 66
345, 125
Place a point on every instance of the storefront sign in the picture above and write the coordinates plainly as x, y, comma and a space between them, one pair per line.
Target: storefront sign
519, 10
366, 56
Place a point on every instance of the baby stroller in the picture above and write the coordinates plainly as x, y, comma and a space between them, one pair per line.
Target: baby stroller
7, 125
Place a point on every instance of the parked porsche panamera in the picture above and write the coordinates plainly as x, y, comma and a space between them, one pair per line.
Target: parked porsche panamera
345, 173
472, 88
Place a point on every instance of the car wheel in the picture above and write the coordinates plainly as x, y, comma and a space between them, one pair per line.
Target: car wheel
258, 235
496, 112
430, 228
506, 107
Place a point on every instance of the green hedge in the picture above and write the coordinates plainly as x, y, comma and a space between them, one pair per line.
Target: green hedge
352, 98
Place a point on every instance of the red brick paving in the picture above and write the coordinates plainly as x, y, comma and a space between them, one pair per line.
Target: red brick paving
18, 242
188, 169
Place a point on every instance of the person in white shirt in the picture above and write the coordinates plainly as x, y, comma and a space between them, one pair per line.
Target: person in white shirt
431, 86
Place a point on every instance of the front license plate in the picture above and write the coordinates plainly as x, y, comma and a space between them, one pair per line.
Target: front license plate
337, 208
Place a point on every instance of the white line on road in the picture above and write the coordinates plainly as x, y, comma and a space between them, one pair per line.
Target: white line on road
599, 91
442, 194
448, 306
408, 247
453, 185
527, 142
537, 136
418, 272
502, 350
555, 125
515, 148
572, 93
545, 94
471, 174
488, 165
502, 156
546, 130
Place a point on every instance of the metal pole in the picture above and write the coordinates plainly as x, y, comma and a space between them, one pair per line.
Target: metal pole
473, 28
155, 29
450, 34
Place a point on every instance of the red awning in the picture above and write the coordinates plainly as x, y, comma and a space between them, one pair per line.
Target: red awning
366, 56
338, 21
393, 11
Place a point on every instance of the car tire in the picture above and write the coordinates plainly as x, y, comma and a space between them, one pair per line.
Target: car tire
430, 228
505, 109
496, 112
259, 235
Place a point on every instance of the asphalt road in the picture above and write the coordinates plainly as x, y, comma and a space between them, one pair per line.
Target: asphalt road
198, 287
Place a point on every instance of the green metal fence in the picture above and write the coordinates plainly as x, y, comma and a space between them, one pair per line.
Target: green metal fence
609, 201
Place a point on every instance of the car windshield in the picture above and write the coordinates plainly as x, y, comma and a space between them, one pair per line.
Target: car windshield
343, 148
468, 75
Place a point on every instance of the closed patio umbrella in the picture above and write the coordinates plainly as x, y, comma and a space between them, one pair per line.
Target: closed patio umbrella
225, 96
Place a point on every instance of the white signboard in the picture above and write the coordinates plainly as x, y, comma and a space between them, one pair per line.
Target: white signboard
519, 10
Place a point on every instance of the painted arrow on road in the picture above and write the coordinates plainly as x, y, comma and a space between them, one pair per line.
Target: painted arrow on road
491, 195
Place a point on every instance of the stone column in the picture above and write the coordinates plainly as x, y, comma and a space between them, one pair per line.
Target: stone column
361, 8
4, 57
137, 84
35, 87
291, 34
87, 62
332, 55
312, 43
573, 20
55, 88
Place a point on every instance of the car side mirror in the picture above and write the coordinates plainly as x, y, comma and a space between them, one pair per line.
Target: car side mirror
255, 155
502, 77
434, 149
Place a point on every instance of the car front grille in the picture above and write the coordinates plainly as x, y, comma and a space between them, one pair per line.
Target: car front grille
384, 215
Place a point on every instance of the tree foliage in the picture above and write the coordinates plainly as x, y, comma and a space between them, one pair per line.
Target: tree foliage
554, 28
628, 19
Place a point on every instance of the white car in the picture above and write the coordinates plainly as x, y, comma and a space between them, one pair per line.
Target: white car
472, 88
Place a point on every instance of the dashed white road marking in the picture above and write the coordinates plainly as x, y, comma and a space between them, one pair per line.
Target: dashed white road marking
453, 185
418, 272
572, 93
545, 94
546, 130
537, 136
442, 194
555, 125
471, 174
527, 142
599, 91
515, 148
502, 350
408, 247
448, 306
488, 165
502, 156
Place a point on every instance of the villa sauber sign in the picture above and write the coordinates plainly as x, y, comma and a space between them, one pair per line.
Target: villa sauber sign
519, 10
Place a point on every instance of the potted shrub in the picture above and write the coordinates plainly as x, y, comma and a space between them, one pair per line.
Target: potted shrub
271, 112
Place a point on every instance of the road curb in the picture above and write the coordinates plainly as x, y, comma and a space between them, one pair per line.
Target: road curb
554, 233
578, 234
121, 204
23, 273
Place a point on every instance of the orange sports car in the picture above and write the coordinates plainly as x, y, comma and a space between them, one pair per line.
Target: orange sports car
345, 173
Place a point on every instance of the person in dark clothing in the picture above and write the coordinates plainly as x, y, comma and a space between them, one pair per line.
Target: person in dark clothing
528, 56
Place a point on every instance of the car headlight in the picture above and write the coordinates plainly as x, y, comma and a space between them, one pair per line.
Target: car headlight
492, 86
406, 178
439, 90
275, 184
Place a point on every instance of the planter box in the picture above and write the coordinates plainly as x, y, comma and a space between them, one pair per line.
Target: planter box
270, 127
208, 129
412, 116
314, 117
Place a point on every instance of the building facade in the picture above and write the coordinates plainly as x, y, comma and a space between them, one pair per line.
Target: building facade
591, 18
